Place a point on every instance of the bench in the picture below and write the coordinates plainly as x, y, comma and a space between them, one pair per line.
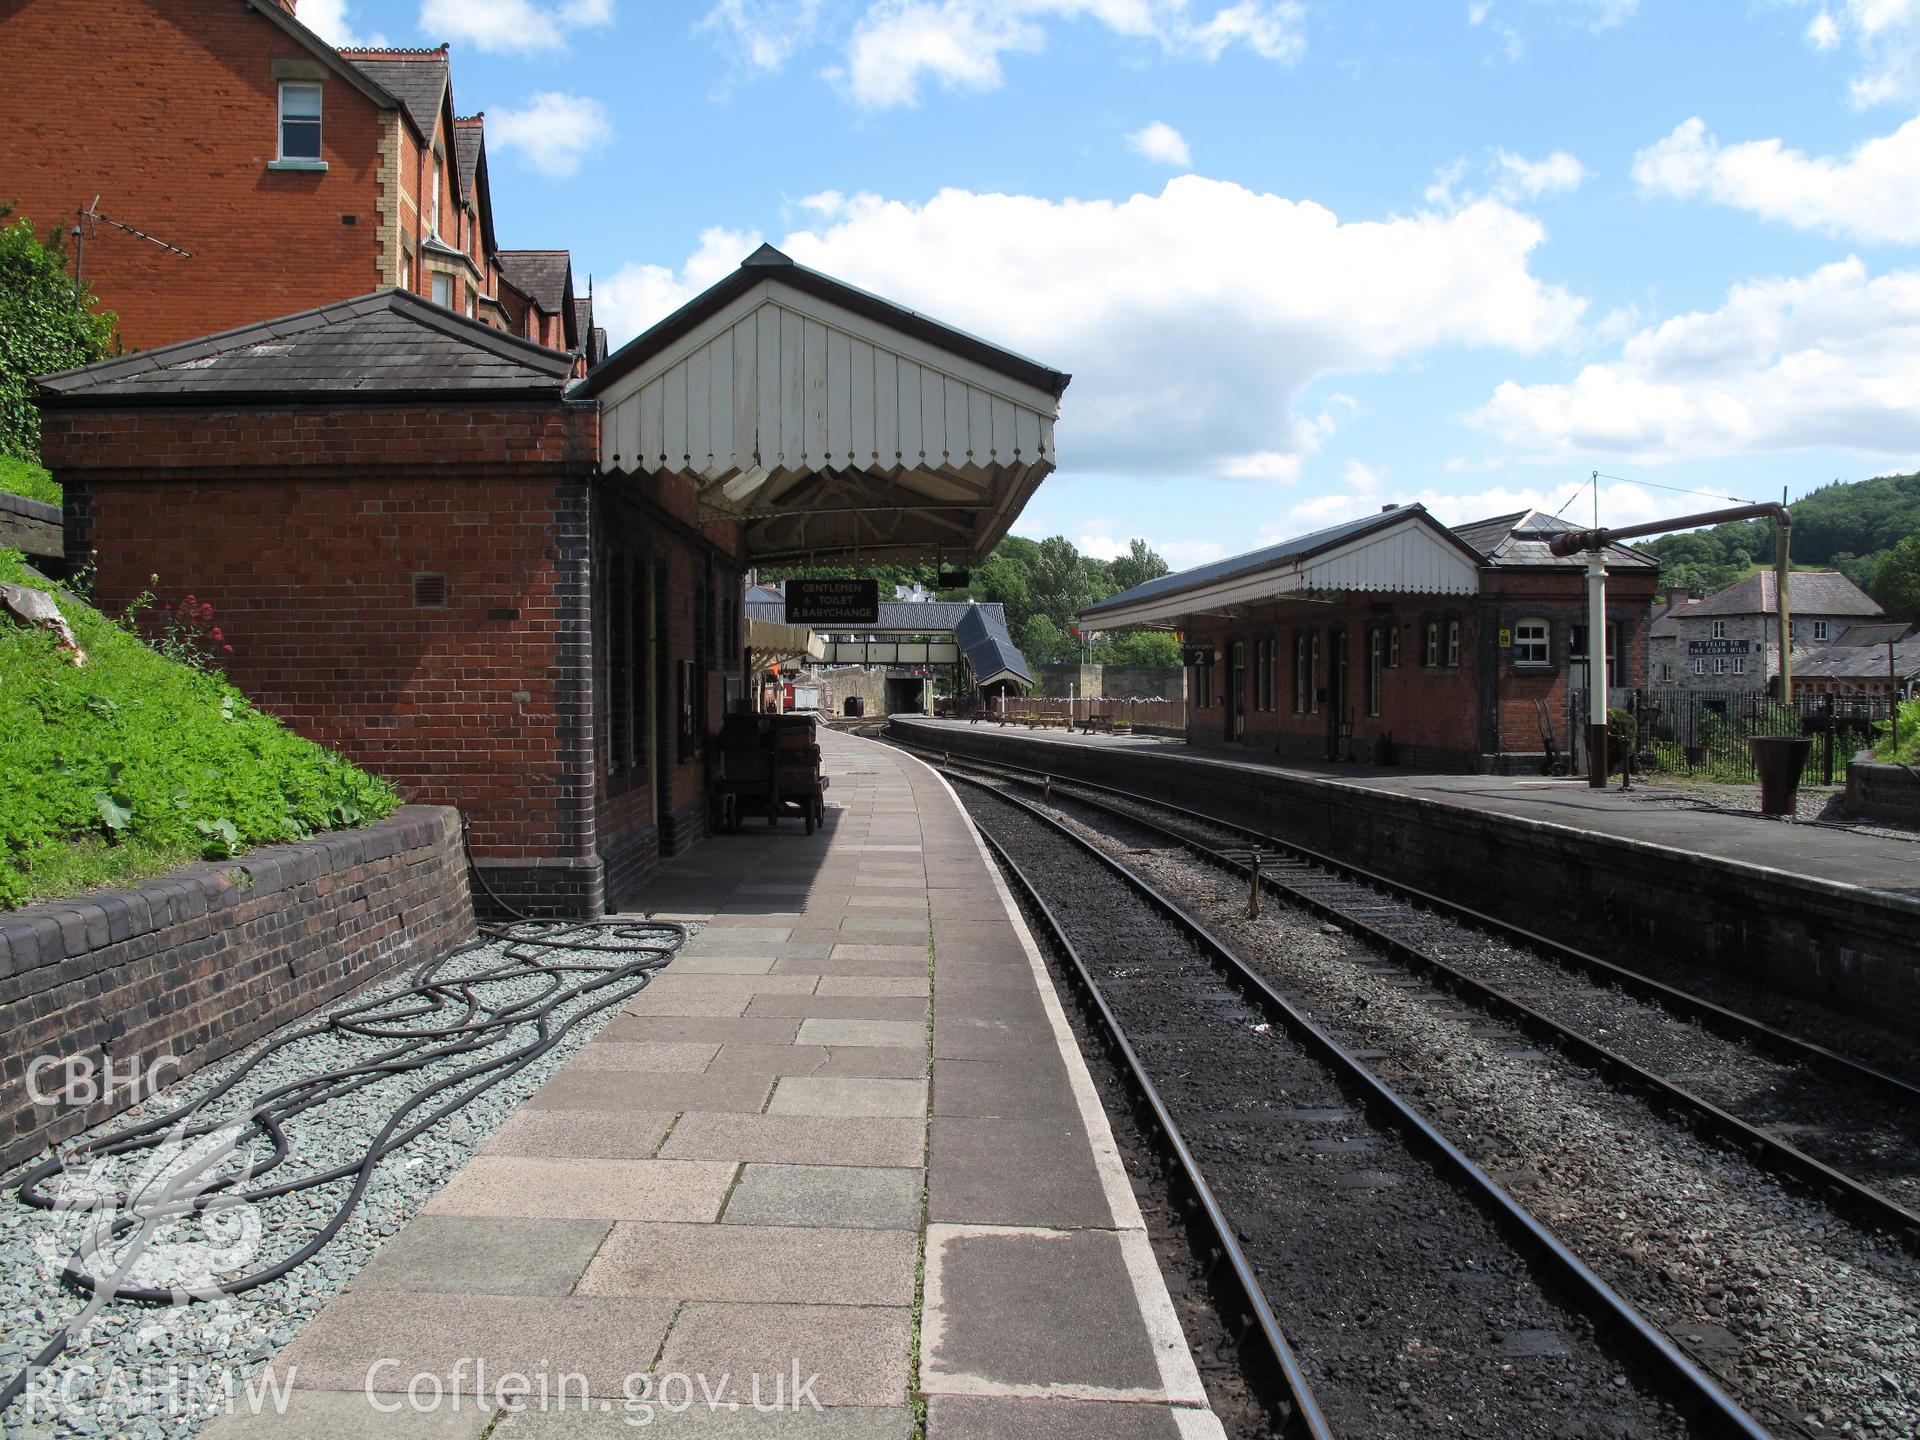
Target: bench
1102, 723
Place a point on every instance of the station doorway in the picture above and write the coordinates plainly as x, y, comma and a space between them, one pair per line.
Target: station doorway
906, 695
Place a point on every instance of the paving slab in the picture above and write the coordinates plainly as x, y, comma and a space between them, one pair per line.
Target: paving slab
856, 1197
573, 1189
800, 1139
772, 1264
629, 1135
649, 1057
726, 1029
961, 1417
618, 1091
1001, 1170
349, 1415
903, 1034
859, 1354
835, 1007
378, 1341
462, 1255
993, 1323
814, 1095
1017, 1085
698, 1421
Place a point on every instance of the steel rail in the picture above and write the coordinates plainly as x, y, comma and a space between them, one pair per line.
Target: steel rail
1695, 1393
1287, 1382
1702, 1116
1729, 1024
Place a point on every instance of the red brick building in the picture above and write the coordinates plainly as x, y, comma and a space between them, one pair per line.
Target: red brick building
1393, 636
434, 551
281, 173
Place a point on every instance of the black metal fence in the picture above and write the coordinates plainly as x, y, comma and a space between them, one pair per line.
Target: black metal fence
1684, 732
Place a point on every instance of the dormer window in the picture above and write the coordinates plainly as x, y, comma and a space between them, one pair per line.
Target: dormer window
299, 120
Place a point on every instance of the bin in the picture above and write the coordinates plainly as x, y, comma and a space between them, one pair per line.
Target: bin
1779, 759
854, 705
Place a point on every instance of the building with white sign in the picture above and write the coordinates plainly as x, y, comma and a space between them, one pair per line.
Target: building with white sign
1729, 642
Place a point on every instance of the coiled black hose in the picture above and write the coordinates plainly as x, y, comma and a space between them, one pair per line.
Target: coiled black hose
434, 1019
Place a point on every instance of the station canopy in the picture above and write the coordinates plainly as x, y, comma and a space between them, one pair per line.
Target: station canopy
834, 425
926, 632
1401, 550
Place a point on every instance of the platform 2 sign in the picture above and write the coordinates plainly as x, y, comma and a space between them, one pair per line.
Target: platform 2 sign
833, 602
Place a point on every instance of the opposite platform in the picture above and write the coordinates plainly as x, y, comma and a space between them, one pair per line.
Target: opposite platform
846, 1135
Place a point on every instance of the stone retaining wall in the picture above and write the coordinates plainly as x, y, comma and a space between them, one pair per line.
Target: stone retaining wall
32, 526
200, 963
1840, 945
1883, 792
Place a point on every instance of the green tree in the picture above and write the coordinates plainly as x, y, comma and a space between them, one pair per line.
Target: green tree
1139, 565
46, 323
1896, 584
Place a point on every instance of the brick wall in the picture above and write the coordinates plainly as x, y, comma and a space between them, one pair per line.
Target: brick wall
202, 962
170, 114
406, 585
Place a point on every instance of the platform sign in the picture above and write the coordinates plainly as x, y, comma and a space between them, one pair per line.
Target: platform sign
833, 602
1719, 647
1196, 655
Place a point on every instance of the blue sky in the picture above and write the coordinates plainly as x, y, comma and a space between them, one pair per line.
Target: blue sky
1303, 259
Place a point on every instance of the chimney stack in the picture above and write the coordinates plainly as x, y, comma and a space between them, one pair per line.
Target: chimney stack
287, 5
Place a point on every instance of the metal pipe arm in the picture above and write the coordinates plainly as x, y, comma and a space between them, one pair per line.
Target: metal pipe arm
1572, 542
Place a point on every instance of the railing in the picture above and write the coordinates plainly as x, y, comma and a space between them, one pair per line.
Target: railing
1684, 732
1133, 714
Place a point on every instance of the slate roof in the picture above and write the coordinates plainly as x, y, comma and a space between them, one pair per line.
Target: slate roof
1666, 625
1812, 592
1519, 541
1877, 633
543, 276
767, 263
417, 78
1856, 662
390, 344
989, 650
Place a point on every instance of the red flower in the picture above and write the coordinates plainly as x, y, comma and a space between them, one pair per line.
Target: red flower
206, 610
226, 649
190, 602
216, 633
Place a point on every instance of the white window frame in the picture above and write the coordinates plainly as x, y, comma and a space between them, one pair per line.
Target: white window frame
1739, 664
1393, 648
1719, 630
317, 120
1432, 648
1819, 629
433, 216
1699, 667
440, 277
1453, 644
1532, 642
406, 270
1719, 664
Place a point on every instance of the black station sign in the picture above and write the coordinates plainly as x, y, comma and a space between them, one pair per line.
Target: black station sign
1719, 647
833, 602
1196, 655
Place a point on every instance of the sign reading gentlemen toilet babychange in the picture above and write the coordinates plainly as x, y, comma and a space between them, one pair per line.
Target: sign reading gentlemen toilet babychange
833, 602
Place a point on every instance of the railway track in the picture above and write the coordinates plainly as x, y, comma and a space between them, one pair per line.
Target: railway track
1845, 1133
1418, 1296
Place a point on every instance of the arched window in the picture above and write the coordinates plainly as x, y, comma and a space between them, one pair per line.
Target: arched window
1431, 655
1453, 644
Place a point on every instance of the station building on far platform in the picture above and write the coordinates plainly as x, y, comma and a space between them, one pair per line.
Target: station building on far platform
1394, 639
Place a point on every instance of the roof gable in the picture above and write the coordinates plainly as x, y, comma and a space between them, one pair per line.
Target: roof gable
419, 79
770, 266
387, 345
1404, 544
1521, 541
327, 55
1810, 592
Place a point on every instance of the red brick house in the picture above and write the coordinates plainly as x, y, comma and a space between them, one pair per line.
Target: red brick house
281, 173
1393, 635
521, 594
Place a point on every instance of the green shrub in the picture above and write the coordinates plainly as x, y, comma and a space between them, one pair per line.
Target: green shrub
25, 477
1909, 751
44, 325
133, 763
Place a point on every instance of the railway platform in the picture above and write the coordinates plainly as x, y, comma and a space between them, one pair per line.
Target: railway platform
844, 1148
1815, 912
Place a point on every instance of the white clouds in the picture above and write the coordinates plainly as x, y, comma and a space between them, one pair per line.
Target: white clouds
1161, 143
1521, 178
1886, 35
553, 130
762, 34
637, 295
1872, 194
517, 26
896, 45
329, 20
1192, 319
1828, 360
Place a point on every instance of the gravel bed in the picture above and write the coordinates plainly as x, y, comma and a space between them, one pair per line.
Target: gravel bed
1862, 1132
1412, 1315
1811, 1323
160, 1372
1813, 805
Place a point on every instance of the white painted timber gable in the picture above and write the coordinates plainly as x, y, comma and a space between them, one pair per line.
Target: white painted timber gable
782, 381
